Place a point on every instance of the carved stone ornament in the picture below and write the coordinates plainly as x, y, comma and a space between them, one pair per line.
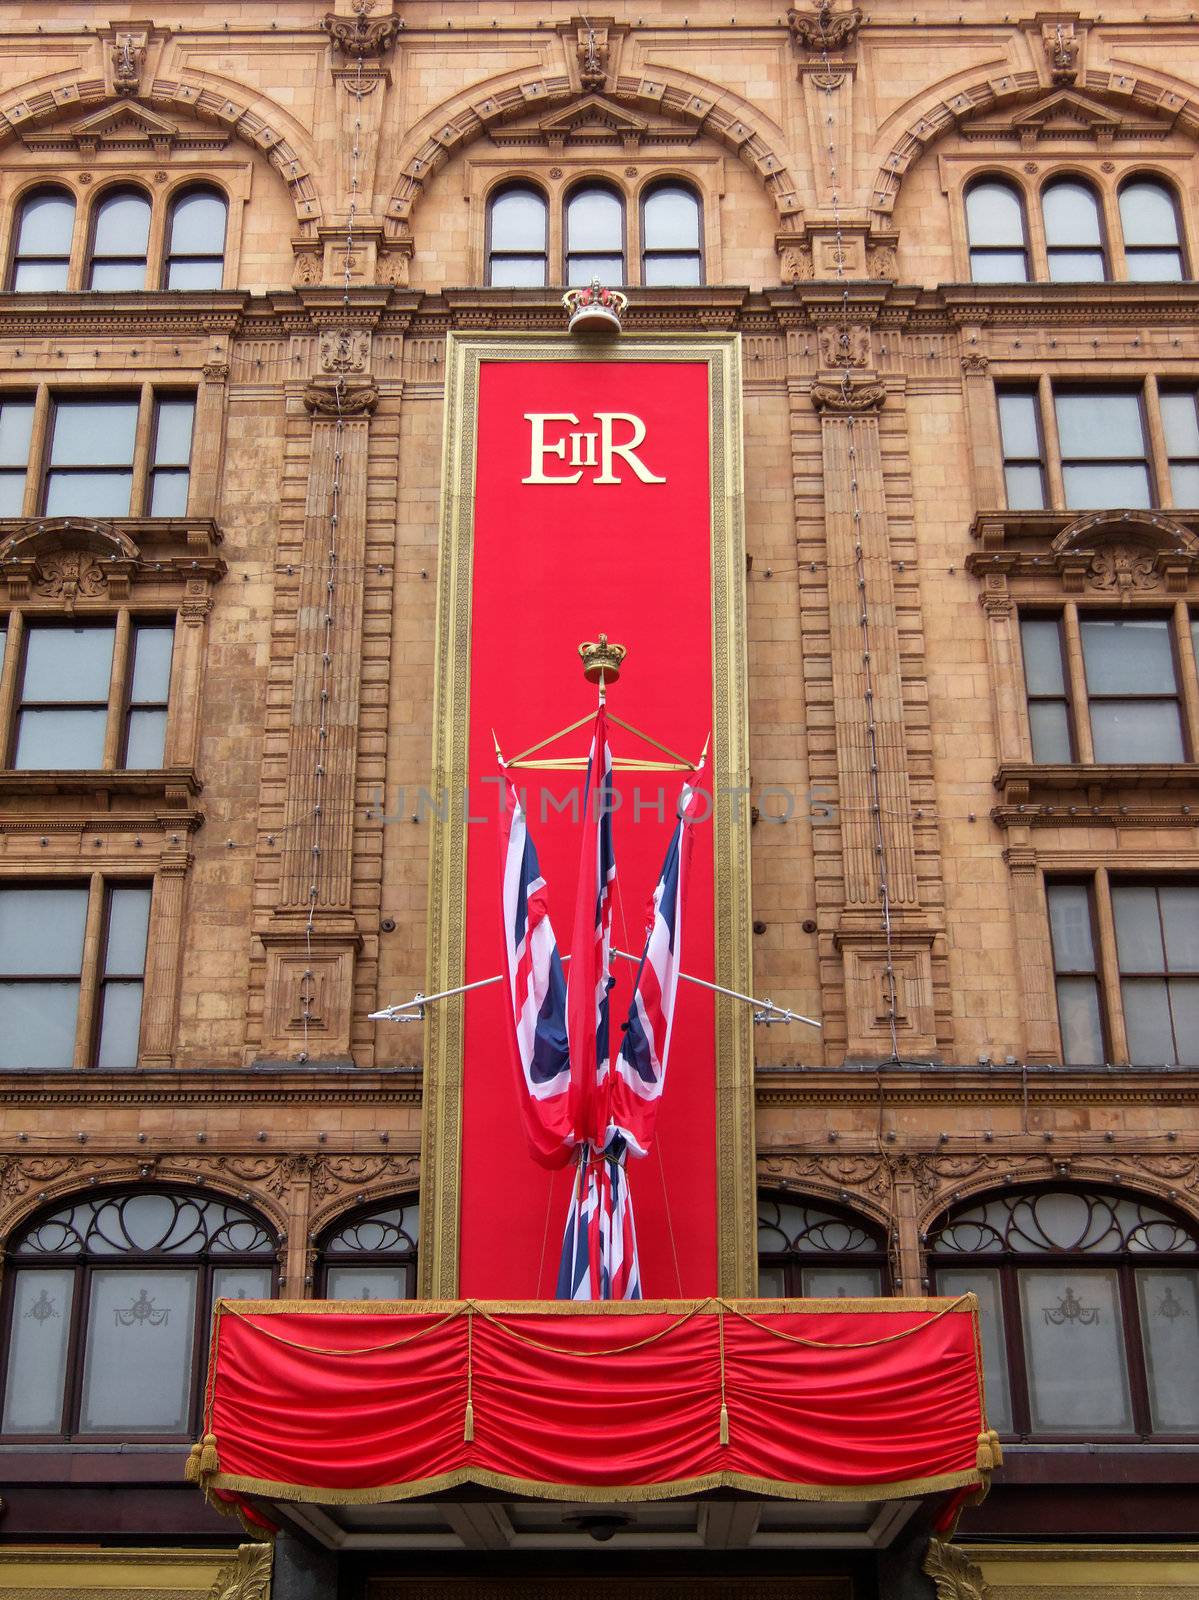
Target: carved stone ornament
344, 350
361, 36
592, 49
334, 400
128, 58
247, 1576
954, 1574
1061, 51
309, 266
1124, 553
824, 29
880, 261
852, 398
844, 344
68, 575
974, 362
795, 262
1125, 567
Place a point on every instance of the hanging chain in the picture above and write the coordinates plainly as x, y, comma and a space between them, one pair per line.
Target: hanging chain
845, 347
331, 578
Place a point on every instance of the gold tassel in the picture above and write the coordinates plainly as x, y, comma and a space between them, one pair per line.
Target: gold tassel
724, 1423
990, 1451
208, 1456
468, 1427
192, 1469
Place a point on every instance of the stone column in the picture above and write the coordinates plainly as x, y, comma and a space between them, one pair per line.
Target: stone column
164, 953
1030, 920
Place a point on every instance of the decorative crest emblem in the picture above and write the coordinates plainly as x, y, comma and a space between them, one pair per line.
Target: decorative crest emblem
602, 659
594, 309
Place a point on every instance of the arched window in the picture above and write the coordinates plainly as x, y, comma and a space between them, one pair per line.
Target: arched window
1090, 1311
998, 238
371, 1255
517, 223
120, 239
1149, 220
671, 250
41, 255
108, 1302
195, 249
808, 1250
1073, 232
594, 235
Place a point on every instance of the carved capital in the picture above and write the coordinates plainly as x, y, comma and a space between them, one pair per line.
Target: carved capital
954, 1574
216, 372
341, 399
824, 29
974, 362
247, 1576
848, 398
361, 37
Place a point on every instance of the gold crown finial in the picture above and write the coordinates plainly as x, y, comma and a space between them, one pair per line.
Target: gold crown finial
601, 659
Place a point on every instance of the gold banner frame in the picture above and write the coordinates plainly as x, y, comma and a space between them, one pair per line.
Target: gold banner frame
441, 1135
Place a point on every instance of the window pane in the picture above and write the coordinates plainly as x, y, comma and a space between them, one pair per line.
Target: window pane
168, 493
581, 270
1147, 214
128, 920
195, 274
120, 1025
594, 221
153, 646
1074, 1348
670, 271
37, 1351
241, 1283
37, 1024
198, 224
670, 219
41, 931
366, 1283
1128, 655
1018, 425
1154, 266
49, 741
1049, 724
122, 226
984, 1282
1099, 427
1138, 929
118, 275
39, 277
71, 664
1071, 214
47, 222
1025, 488
88, 494
137, 1372
94, 433
772, 1283
518, 272
1169, 1306
1180, 918
1184, 484
1180, 422
1070, 925
1096, 487
518, 221
998, 266
841, 1283
173, 433
1042, 642
1184, 1009
145, 740
1076, 266
1147, 1021
994, 215
1080, 1021
1136, 730
16, 426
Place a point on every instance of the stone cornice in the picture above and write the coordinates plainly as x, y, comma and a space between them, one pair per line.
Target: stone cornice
971, 1085
200, 1086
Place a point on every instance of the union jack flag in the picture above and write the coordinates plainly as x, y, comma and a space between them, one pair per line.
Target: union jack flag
640, 1074
536, 991
591, 948
599, 1247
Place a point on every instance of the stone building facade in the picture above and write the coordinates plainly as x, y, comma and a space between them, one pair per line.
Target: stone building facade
975, 234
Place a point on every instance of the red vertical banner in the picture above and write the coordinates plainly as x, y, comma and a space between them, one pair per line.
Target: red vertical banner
592, 513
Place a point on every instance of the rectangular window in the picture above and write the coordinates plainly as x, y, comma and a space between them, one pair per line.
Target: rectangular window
1074, 1348
1023, 449
1076, 971
1157, 946
1101, 434
1168, 1300
16, 431
170, 469
43, 961
1180, 424
67, 696
1132, 690
89, 468
1046, 686
37, 1350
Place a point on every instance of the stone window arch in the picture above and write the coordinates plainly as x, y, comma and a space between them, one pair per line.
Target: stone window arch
371, 1253
810, 1249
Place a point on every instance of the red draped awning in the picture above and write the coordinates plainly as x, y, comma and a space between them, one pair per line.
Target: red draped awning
806, 1399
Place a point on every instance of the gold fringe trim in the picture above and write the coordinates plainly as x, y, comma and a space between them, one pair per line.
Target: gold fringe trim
591, 1308
990, 1451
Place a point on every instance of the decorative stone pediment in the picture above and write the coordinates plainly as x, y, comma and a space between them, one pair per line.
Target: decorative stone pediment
1125, 553
1064, 114
126, 126
592, 120
67, 559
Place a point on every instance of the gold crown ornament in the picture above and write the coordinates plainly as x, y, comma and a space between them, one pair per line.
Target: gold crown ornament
601, 660
594, 309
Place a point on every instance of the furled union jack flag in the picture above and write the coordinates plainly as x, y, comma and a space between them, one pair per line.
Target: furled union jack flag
537, 993
640, 1073
591, 947
599, 1248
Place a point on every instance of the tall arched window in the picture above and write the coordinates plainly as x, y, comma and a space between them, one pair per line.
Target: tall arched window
809, 1250
997, 235
42, 241
120, 239
517, 231
1073, 232
1090, 1311
108, 1302
1149, 222
371, 1255
594, 235
195, 240
671, 249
